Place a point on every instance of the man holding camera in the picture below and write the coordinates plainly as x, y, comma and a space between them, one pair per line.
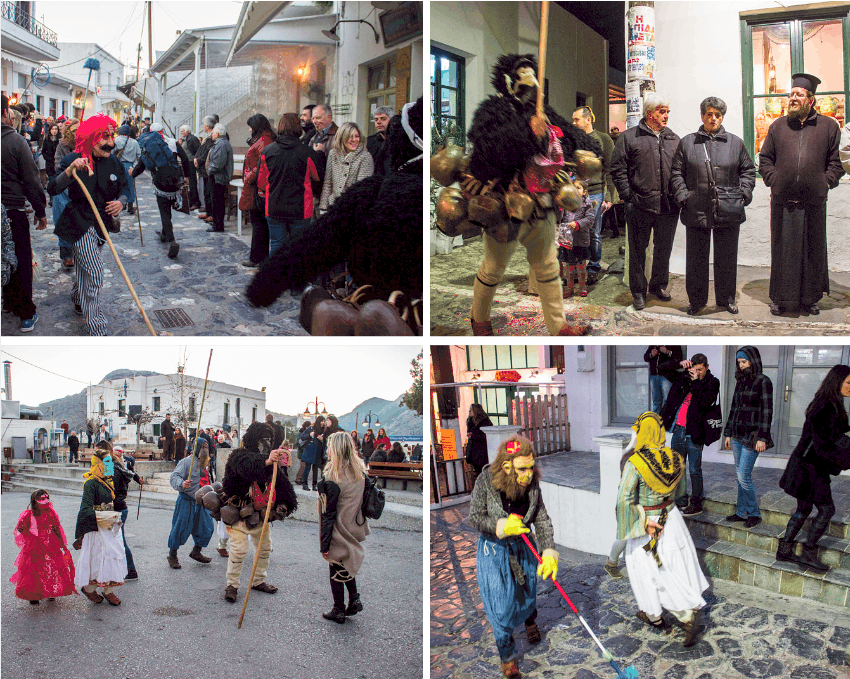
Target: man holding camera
684, 413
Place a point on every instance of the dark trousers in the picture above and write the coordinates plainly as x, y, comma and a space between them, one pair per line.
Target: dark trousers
207, 196
193, 188
219, 196
306, 476
164, 205
18, 292
338, 586
642, 224
725, 264
259, 235
73, 456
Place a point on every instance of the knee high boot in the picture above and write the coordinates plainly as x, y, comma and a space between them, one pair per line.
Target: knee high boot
581, 271
482, 301
809, 554
569, 282
785, 552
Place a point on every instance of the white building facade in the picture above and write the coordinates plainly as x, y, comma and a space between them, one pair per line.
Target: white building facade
103, 95
225, 405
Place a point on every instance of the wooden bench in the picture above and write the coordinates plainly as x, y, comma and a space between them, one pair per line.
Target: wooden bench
404, 471
86, 456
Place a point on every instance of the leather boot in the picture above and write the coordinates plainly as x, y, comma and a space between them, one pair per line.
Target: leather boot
569, 282
337, 614
481, 328
197, 556
809, 555
581, 270
785, 552
482, 301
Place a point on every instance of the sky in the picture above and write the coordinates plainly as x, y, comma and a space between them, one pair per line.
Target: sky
341, 377
117, 26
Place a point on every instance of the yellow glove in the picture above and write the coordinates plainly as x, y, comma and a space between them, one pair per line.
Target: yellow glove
515, 526
549, 566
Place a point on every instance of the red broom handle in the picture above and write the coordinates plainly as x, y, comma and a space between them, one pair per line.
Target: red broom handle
557, 584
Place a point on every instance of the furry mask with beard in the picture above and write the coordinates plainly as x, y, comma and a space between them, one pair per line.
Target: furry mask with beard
504, 474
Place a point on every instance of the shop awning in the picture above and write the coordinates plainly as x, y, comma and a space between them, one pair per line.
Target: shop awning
252, 18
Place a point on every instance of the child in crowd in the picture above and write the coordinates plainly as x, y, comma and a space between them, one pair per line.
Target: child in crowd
45, 568
574, 244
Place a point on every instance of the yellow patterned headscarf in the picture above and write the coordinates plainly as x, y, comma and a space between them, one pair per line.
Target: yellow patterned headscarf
660, 467
96, 472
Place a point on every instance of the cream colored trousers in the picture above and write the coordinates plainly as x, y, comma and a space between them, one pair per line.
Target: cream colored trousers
538, 239
238, 548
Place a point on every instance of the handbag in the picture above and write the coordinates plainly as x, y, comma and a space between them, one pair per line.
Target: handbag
372, 505
713, 423
248, 198
727, 203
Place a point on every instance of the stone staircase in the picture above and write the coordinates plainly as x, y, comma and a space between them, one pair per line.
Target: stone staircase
748, 556
403, 509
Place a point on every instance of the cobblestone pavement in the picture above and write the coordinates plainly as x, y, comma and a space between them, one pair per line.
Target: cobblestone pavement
206, 280
608, 304
747, 632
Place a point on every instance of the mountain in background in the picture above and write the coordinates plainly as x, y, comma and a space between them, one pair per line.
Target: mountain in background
398, 421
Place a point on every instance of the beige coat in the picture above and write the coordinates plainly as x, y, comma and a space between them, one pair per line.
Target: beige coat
341, 173
346, 547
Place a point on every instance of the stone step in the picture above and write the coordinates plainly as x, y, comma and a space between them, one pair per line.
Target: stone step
775, 514
756, 567
396, 516
831, 550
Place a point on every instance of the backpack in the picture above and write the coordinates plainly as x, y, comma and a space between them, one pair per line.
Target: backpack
373, 501
155, 152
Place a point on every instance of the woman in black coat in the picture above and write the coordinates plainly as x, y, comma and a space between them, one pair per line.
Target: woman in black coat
476, 440
823, 450
367, 447
735, 177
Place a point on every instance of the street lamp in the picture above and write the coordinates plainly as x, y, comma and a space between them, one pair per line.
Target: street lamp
308, 414
333, 35
367, 421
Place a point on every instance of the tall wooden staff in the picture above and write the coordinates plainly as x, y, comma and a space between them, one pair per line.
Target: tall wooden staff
138, 211
200, 415
541, 54
114, 253
257, 544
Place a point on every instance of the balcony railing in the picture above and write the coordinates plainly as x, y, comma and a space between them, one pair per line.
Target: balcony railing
13, 12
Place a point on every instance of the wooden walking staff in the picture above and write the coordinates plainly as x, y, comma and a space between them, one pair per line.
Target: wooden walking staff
200, 415
541, 54
258, 544
114, 253
138, 212
139, 510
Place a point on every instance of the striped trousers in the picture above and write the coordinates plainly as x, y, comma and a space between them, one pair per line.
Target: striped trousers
88, 266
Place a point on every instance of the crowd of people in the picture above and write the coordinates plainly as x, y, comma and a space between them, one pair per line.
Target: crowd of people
45, 568
293, 172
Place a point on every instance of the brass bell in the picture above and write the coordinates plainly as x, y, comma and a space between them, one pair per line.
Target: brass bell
567, 197
504, 232
486, 212
445, 164
587, 164
451, 211
519, 204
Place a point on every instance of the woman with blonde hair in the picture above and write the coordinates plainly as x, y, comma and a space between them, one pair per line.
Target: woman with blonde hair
342, 526
348, 163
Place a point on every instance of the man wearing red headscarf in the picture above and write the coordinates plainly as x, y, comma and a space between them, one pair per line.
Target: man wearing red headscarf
105, 180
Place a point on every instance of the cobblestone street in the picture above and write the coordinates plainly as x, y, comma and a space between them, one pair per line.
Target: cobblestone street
206, 280
747, 632
608, 304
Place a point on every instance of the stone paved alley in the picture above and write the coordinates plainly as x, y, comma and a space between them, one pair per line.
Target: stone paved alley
747, 632
207, 281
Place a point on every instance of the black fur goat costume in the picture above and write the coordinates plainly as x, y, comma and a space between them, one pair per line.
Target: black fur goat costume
248, 464
375, 225
504, 149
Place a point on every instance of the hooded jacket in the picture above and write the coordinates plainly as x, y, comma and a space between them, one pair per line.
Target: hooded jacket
800, 161
20, 178
641, 165
703, 394
752, 402
731, 166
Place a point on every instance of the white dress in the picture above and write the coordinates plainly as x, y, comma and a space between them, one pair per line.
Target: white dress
102, 558
679, 583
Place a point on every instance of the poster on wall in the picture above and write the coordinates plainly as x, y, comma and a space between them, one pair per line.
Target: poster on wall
633, 103
641, 62
641, 25
449, 444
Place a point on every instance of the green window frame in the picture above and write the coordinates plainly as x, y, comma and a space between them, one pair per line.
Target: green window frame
446, 124
501, 357
795, 17
156, 404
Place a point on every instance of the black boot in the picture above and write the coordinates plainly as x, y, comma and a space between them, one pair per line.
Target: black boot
131, 209
337, 614
785, 551
809, 555
354, 605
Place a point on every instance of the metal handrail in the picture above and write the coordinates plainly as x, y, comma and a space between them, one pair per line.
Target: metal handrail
13, 12
234, 94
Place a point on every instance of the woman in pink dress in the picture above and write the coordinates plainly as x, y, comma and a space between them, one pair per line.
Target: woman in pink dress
45, 568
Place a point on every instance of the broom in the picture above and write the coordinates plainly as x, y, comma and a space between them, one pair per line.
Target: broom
92, 65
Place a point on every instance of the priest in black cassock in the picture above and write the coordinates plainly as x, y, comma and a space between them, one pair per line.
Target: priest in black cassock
800, 163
